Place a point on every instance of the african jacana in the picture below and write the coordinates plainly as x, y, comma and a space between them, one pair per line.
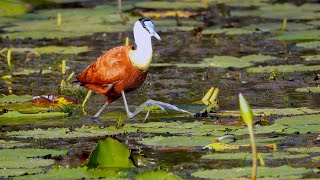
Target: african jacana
124, 69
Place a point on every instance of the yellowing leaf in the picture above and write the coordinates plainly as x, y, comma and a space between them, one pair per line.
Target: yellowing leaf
218, 146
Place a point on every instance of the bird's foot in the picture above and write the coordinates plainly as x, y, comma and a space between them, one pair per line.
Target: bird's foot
162, 106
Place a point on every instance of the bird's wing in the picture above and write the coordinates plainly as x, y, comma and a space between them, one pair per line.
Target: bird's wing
108, 68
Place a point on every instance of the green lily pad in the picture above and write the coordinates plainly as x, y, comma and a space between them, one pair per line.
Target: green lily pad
303, 129
53, 49
84, 131
240, 3
25, 108
312, 57
309, 45
263, 129
170, 5
157, 175
31, 71
306, 11
316, 158
25, 161
176, 141
99, 19
11, 144
305, 150
110, 153
304, 35
281, 171
79, 173
307, 90
299, 120
275, 27
13, 7
248, 156
273, 111
14, 98
283, 68
19, 172
230, 61
228, 31
194, 128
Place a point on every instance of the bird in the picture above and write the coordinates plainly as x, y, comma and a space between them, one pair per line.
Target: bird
123, 69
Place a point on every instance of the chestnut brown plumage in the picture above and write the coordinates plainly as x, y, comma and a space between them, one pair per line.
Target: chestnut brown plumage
124, 69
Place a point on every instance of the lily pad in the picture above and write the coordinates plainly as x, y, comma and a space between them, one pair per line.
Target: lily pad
229, 31
19, 172
230, 61
170, 5
53, 49
248, 156
110, 153
306, 11
284, 68
13, 7
240, 3
31, 71
99, 19
79, 173
309, 89
299, 120
305, 35
281, 171
15, 98
275, 27
176, 141
157, 175
84, 131
307, 150
309, 45
15, 162
195, 128
312, 57
273, 111
25, 108
12, 144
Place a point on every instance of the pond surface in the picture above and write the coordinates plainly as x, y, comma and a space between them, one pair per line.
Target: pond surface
186, 64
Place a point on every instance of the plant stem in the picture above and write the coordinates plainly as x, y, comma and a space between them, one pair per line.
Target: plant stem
254, 153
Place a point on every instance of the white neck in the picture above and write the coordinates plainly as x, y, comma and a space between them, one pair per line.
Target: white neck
142, 56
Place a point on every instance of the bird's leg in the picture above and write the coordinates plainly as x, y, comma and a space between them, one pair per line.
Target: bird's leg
101, 110
148, 103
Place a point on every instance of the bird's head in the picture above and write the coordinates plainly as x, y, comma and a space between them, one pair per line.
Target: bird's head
145, 27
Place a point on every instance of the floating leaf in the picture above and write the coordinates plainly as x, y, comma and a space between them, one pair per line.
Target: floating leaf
228, 31
110, 153
11, 144
304, 35
13, 7
275, 27
169, 5
309, 89
79, 173
176, 141
218, 146
84, 131
54, 49
281, 171
312, 57
309, 45
307, 150
14, 98
306, 11
284, 68
248, 156
157, 175
28, 161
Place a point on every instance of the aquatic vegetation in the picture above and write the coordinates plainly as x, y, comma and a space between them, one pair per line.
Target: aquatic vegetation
110, 153
12, 144
53, 49
284, 68
281, 171
66, 133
